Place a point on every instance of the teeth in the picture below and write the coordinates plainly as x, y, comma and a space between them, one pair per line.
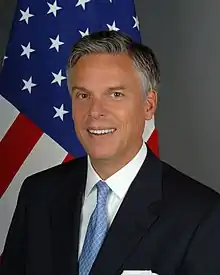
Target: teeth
101, 132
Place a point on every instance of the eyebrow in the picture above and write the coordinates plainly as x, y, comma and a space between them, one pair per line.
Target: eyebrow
113, 88
116, 88
79, 88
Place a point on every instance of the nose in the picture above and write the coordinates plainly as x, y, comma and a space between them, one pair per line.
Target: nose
96, 109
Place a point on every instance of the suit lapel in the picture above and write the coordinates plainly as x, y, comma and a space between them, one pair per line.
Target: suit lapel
138, 212
65, 220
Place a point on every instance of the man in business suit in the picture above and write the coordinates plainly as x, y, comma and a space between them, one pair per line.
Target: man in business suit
120, 208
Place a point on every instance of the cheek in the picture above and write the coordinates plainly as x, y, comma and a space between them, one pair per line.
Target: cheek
136, 119
77, 122
127, 114
77, 113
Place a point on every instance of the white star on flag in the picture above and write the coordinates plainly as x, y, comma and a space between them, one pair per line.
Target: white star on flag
56, 43
25, 15
84, 33
136, 22
113, 27
82, 3
27, 50
53, 8
58, 77
110, 1
28, 84
60, 112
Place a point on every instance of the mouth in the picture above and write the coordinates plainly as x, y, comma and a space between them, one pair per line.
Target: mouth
101, 132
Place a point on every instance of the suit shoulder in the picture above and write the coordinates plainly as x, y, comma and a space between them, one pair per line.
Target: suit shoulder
182, 187
59, 169
53, 178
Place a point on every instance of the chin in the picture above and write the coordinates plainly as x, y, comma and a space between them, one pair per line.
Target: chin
100, 154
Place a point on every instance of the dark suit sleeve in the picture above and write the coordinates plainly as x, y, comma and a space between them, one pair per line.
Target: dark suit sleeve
203, 254
14, 254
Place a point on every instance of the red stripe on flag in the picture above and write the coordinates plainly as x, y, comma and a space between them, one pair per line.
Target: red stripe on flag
15, 147
68, 158
153, 142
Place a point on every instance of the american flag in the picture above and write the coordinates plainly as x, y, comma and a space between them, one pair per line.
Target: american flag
36, 129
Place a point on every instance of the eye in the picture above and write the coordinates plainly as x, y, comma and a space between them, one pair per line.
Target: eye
82, 95
117, 94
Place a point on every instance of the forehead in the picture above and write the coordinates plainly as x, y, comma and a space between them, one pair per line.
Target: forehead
101, 71
93, 63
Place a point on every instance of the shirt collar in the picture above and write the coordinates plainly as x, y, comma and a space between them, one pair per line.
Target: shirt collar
119, 182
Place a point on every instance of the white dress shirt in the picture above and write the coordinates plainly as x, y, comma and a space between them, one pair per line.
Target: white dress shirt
118, 183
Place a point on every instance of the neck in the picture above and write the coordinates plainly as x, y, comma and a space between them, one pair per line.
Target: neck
107, 167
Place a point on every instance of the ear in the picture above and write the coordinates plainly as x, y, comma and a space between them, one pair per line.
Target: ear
150, 104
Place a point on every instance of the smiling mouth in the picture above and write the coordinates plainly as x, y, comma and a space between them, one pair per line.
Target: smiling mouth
101, 132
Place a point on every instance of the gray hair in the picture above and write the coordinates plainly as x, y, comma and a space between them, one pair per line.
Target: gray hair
114, 42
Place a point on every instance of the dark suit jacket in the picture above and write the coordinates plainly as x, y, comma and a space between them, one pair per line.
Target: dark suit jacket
167, 223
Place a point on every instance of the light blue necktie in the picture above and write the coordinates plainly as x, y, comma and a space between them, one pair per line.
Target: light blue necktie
96, 231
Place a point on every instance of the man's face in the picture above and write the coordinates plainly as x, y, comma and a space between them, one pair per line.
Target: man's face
109, 107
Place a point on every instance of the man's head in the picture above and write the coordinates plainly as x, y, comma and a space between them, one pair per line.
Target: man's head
113, 82
113, 42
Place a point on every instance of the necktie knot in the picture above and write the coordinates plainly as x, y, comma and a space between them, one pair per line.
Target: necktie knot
102, 192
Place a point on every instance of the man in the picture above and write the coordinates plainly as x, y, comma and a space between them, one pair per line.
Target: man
120, 208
